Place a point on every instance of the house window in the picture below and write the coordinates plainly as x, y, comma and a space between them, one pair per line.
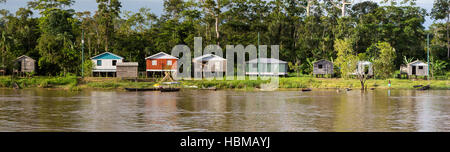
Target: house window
99, 62
114, 62
154, 62
169, 62
320, 66
420, 67
255, 65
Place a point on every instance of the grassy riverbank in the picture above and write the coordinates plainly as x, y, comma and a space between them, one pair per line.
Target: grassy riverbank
74, 83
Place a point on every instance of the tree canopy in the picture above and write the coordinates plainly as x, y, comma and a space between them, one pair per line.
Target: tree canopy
306, 30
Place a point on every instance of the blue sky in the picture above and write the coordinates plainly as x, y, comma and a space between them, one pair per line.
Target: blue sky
157, 6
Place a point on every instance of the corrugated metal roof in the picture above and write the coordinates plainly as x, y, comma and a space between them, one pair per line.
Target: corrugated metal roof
209, 57
161, 55
24, 56
107, 55
418, 63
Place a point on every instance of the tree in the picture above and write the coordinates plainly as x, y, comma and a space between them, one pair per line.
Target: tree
346, 60
45, 6
108, 11
342, 5
384, 59
441, 10
307, 4
214, 9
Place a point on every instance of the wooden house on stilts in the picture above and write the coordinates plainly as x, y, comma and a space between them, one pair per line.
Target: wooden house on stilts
106, 64
158, 64
323, 67
24, 64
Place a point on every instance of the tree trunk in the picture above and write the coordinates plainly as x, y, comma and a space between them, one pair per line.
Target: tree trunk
308, 7
448, 39
217, 22
217, 30
106, 39
362, 84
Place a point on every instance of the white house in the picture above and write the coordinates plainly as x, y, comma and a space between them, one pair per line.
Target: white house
364, 67
105, 64
210, 63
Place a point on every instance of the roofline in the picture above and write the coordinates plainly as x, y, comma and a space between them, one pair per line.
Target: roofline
415, 62
280, 61
205, 55
323, 60
105, 53
159, 53
24, 56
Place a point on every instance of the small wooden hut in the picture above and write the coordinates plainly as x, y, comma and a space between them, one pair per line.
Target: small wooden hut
127, 70
24, 64
323, 67
417, 68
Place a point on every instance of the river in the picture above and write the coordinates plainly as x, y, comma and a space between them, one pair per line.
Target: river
224, 110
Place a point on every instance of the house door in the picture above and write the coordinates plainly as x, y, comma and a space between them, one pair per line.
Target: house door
414, 70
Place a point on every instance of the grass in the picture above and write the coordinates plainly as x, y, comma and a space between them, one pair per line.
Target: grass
74, 83
40, 82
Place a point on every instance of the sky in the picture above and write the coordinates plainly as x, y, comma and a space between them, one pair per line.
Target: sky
157, 7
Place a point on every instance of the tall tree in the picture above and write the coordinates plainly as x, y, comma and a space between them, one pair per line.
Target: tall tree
342, 5
441, 10
108, 11
214, 9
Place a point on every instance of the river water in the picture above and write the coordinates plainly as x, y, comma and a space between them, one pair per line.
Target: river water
225, 110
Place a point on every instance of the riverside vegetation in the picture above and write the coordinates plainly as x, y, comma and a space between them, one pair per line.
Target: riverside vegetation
73, 83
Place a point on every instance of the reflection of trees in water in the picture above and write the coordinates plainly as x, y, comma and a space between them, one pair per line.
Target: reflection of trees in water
197, 110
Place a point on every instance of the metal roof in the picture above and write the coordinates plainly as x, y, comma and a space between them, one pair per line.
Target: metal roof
161, 55
107, 53
209, 57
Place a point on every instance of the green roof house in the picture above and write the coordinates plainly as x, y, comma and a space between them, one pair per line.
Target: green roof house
267, 67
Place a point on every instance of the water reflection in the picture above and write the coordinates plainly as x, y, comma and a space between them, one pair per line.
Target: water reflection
197, 110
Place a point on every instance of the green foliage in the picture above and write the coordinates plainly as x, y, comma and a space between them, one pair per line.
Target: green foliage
437, 67
346, 61
295, 67
88, 67
53, 38
383, 67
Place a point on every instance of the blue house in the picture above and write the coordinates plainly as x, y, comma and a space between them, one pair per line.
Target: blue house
106, 64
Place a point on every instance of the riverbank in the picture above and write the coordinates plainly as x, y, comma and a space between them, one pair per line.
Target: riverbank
74, 83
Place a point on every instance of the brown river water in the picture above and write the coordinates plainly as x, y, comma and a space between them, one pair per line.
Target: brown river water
224, 110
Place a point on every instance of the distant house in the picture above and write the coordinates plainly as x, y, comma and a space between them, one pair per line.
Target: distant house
161, 62
24, 64
417, 68
364, 67
105, 64
268, 67
323, 67
127, 70
210, 63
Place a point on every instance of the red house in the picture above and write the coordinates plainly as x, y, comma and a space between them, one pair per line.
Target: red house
160, 63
